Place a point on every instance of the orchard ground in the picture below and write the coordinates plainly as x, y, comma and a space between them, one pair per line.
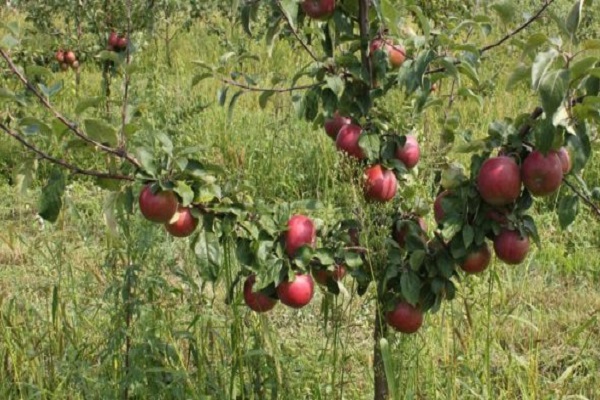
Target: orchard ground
528, 331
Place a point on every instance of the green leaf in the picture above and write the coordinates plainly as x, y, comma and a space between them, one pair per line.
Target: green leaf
574, 18
264, 97
146, 159
87, 103
567, 210
582, 67
200, 77
542, 63
8, 42
468, 234
553, 90
416, 259
520, 73
33, 126
100, 131
222, 95
336, 84
232, 104
410, 284
506, 11
185, 192
51, 198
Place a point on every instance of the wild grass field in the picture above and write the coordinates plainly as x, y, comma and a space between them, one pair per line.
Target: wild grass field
516, 332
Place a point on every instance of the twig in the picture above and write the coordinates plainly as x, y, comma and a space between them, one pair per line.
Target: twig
295, 33
595, 208
63, 163
363, 7
274, 90
126, 79
72, 126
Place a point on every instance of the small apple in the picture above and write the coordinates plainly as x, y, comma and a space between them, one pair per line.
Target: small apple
477, 260
499, 181
347, 140
122, 43
380, 183
113, 40
297, 293
396, 53
301, 231
70, 57
323, 275
510, 247
257, 301
184, 225
318, 9
60, 56
438, 210
565, 160
409, 154
405, 318
399, 234
334, 124
542, 175
157, 207
75, 64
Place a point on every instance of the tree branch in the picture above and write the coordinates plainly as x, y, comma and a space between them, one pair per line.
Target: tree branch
63, 163
594, 207
295, 33
72, 126
259, 89
363, 11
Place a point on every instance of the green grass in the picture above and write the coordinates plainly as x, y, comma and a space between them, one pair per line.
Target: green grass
526, 332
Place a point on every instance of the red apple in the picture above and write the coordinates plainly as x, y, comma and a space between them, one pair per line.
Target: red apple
396, 53
347, 140
70, 57
297, 293
257, 301
60, 56
477, 260
318, 9
510, 247
399, 234
405, 318
380, 184
438, 210
301, 231
542, 175
184, 225
122, 43
499, 181
409, 154
157, 207
334, 124
323, 275
113, 40
565, 160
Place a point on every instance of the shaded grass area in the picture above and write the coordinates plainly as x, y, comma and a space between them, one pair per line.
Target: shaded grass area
527, 331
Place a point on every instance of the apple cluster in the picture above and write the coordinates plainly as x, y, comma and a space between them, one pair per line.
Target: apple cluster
116, 42
66, 59
163, 207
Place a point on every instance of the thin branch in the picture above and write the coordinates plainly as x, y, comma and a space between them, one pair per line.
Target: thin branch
594, 207
274, 90
509, 35
63, 163
295, 32
72, 126
126, 79
363, 11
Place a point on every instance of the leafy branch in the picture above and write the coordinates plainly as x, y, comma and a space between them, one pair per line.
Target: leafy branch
295, 32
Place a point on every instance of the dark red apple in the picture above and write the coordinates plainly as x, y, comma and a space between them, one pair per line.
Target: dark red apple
396, 53
477, 260
122, 43
113, 40
297, 293
184, 225
60, 56
257, 301
157, 207
318, 9
399, 234
405, 318
499, 181
565, 160
510, 247
323, 275
438, 210
542, 175
334, 124
380, 183
410, 153
301, 231
347, 140
70, 57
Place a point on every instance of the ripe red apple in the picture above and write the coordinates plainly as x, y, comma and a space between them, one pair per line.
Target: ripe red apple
565, 160
399, 234
122, 43
380, 184
334, 124
477, 260
542, 175
301, 231
438, 210
510, 247
113, 40
184, 225
396, 53
323, 275
157, 207
60, 56
257, 301
70, 57
297, 293
499, 181
318, 9
347, 140
405, 318
409, 154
